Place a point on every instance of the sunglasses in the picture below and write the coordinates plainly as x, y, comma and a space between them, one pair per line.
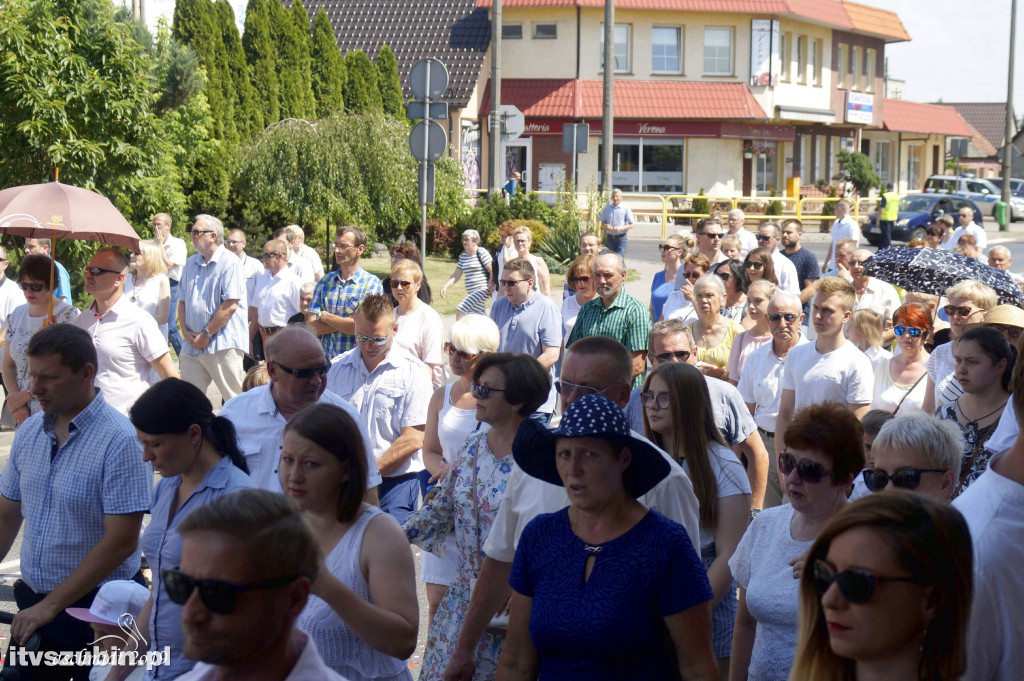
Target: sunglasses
268, 256
677, 356
754, 265
376, 340
961, 310
308, 372
200, 232
97, 271
465, 356
806, 470
483, 392
693, 276
666, 247
567, 388
764, 238
232, 242
661, 399
911, 331
855, 585
34, 288
510, 283
404, 285
710, 235
1012, 332
779, 316
905, 478
724, 276
579, 280
218, 597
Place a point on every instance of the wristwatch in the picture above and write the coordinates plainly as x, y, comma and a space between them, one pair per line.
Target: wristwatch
206, 332
318, 314
754, 512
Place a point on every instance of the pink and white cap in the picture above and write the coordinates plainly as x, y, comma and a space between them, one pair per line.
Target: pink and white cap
115, 602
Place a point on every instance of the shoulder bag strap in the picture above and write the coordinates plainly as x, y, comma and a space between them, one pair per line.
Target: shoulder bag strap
897, 409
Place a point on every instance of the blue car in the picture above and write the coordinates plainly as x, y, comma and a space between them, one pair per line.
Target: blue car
917, 211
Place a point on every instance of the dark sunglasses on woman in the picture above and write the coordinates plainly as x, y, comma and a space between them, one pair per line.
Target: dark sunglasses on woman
807, 470
452, 350
856, 585
911, 331
34, 288
751, 265
875, 479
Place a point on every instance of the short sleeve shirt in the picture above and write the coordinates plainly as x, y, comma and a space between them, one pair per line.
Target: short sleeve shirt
617, 216
276, 297
627, 320
806, 265
177, 253
341, 297
10, 298
205, 286
844, 376
880, 297
761, 384
529, 328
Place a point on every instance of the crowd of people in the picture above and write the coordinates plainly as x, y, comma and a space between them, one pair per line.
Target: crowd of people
770, 469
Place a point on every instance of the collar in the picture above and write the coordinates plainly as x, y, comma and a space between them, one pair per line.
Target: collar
355, 275
113, 310
82, 418
219, 253
526, 303
618, 302
216, 477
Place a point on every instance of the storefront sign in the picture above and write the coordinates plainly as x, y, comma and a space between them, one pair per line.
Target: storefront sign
765, 63
540, 127
859, 108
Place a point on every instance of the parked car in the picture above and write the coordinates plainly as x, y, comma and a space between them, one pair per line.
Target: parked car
1016, 195
917, 211
982, 192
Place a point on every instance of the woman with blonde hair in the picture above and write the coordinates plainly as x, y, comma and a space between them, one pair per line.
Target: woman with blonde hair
580, 279
522, 238
713, 334
886, 593
865, 331
420, 328
679, 304
150, 288
758, 296
673, 251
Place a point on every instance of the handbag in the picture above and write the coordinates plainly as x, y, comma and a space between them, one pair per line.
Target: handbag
500, 620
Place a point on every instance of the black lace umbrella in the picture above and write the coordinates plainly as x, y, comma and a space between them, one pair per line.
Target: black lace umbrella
933, 270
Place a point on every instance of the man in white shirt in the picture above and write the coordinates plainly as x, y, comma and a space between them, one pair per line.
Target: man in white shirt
298, 265
391, 389
296, 239
748, 241
10, 294
709, 239
298, 369
276, 293
844, 227
130, 347
832, 369
874, 294
595, 364
967, 226
999, 257
251, 267
994, 509
761, 381
768, 238
175, 255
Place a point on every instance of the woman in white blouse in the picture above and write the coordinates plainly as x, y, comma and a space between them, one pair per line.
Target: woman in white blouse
580, 278
151, 289
900, 380
420, 328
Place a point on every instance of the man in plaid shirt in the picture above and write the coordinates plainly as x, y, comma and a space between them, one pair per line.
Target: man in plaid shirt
339, 293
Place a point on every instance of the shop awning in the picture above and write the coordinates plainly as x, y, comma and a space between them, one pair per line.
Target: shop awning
899, 115
634, 99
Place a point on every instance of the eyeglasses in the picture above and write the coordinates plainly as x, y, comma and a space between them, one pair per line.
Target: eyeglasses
779, 316
200, 232
761, 237
807, 470
1012, 332
710, 235
692, 276
268, 256
97, 271
510, 283
34, 288
567, 388
232, 242
855, 585
661, 399
751, 265
218, 597
483, 392
376, 340
677, 356
666, 247
306, 373
579, 280
724, 276
856, 263
342, 247
911, 331
905, 478
404, 285
961, 310
521, 241
465, 356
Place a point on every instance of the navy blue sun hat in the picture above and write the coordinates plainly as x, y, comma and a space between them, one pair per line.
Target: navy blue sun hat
595, 416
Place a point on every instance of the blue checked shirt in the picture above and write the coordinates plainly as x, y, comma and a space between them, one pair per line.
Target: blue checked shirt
341, 297
204, 286
98, 471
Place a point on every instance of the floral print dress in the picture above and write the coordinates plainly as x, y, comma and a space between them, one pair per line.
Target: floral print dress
458, 503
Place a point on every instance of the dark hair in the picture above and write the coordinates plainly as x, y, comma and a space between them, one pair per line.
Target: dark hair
37, 268
357, 234
74, 345
174, 405
406, 250
833, 431
332, 429
995, 346
935, 230
873, 421
526, 381
521, 265
375, 307
763, 256
738, 271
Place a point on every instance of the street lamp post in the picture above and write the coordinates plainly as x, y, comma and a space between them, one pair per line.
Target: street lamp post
1008, 137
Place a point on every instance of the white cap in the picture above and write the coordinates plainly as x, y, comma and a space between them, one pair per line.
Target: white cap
115, 602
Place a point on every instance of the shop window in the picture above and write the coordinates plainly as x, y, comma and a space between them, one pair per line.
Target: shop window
511, 31
654, 166
717, 51
545, 31
621, 49
666, 49
766, 176
914, 153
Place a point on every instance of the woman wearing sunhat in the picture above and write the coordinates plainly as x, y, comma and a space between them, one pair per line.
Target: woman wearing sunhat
604, 588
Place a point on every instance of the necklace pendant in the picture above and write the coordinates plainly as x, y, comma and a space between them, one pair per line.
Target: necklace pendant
592, 549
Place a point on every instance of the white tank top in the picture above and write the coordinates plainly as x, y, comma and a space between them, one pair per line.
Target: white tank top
454, 425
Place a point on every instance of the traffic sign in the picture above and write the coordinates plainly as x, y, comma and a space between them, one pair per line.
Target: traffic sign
427, 141
428, 79
418, 110
513, 123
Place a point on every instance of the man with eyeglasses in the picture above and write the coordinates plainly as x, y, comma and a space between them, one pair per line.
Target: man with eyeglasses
595, 364
748, 241
131, 349
916, 452
298, 378
391, 390
175, 256
965, 217
768, 238
298, 266
761, 381
248, 565
671, 341
529, 323
709, 239
874, 294
276, 293
803, 260
339, 293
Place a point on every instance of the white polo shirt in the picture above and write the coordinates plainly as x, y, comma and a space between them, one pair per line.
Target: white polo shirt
761, 383
276, 297
312, 259
980, 238
785, 272
127, 339
259, 427
251, 268
394, 396
177, 253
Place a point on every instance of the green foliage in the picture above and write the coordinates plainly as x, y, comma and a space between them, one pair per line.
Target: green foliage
261, 56
774, 207
248, 114
700, 205
328, 69
285, 36
562, 243
177, 69
361, 93
304, 48
197, 24
856, 168
389, 83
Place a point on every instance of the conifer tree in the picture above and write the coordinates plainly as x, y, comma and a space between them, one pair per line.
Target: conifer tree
389, 83
261, 57
304, 47
249, 117
195, 24
361, 93
328, 67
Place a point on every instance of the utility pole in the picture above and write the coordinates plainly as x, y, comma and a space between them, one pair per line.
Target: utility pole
608, 117
494, 119
1008, 137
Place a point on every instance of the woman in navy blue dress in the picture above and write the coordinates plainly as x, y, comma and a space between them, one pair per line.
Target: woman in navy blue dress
606, 588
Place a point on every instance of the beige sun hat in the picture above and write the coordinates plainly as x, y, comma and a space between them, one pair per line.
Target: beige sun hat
1004, 315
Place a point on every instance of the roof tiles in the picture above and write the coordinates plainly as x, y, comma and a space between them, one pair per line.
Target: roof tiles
902, 116
988, 118
877, 21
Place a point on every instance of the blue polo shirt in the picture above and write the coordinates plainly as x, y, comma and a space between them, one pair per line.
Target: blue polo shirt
528, 328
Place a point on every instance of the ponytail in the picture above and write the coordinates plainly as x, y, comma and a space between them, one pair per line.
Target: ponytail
222, 437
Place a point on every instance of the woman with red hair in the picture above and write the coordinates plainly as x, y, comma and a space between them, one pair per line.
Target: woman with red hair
900, 381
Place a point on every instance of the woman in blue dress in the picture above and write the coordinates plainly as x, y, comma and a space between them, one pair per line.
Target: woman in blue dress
198, 460
606, 588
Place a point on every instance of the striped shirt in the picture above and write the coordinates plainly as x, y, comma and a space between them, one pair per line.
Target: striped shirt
205, 286
473, 269
627, 320
341, 297
66, 491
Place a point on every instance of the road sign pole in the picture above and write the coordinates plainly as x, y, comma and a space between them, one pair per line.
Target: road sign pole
574, 157
423, 182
